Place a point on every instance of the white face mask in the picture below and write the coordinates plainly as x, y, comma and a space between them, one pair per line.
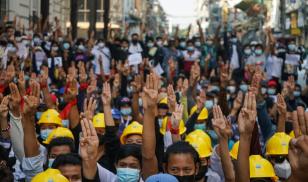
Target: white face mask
283, 170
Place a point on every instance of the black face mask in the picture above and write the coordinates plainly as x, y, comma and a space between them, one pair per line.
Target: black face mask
102, 139
190, 178
201, 173
135, 41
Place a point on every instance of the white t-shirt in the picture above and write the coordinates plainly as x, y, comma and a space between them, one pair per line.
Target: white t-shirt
257, 60
191, 57
104, 53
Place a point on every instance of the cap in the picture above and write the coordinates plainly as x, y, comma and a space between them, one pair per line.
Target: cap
161, 178
272, 83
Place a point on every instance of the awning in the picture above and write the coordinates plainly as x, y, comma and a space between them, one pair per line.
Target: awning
99, 25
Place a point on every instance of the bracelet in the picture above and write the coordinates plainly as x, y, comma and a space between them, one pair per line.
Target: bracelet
6, 129
174, 131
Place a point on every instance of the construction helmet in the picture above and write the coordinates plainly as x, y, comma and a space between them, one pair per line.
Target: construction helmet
292, 135
50, 175
133, 128
51, 116
166, 125
164, 101
278, 144
99, 120
202, 115
234, 150
201, 142
59, 132
261, 168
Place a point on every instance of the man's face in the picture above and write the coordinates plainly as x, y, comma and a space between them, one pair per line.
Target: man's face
181, 165
71, 172
57, 150
134, 139
129, 162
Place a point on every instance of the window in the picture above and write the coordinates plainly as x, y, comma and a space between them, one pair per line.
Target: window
2, 8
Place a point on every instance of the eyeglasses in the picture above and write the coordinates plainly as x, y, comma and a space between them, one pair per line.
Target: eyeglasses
277, 159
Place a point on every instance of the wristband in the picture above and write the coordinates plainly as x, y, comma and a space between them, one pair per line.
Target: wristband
83, 86
175, 131
6, 129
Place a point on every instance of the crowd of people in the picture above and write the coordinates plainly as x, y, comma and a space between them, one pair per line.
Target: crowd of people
156, 109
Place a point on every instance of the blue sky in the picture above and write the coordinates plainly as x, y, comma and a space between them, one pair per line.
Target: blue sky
182, 11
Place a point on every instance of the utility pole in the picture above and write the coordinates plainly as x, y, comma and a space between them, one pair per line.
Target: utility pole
106, 18
73, 18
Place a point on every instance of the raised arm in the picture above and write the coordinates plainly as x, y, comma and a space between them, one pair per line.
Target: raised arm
223, 129
246, 123
176, 118
137, 87
282, 111
201, 32
31, 103
188, 32
3, 118
149, 98
106, 99
44, 86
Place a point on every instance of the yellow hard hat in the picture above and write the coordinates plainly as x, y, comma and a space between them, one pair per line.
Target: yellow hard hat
99, 120
50, 175
292, 135
164, 101
201, 142
202, 115
59, 132
261, 168
234, 150
51, 116
133, 128
164, 126
278, 144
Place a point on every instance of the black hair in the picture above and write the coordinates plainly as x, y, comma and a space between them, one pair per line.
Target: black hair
124, 40
181, 147
60, 141
269, 102
66, 159
134, 34
127, 150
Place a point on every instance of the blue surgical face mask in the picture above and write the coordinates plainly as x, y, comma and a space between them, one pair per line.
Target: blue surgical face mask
128, 175
231, 89
263, 90
190, 48
150, 44
244, 87
183, 44
258, 52
291, 47
271, 91
200, 126
297, 93
126, 111
50, 162
209, 104
66, 46
66, 123
45, 133
247, 52
198, 44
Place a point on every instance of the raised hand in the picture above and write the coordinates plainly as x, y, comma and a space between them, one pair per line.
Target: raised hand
298, 148
21, 83
10, 73
237, 103
177, 116
224, 75
248, 114
184, 87
72, 90
171, 98
15, 98
82, 73
290, 85
150, 91
92, 87
88, 141
32, 100
281, 105
220, 123
195, 72
4, 107
201, 100
106, 96
44, 76
137, 84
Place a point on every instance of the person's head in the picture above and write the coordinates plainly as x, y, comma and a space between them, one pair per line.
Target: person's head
292, 46
261, 169
48, 121
132, 134
100, 43
150, 42
10, 31
69, 165
277, 149
190, 46
272, 87
201, 119
125, 106
128, 162
49, 175
182, 161
135, 38
58, 146
54, 47
124, 43
271, 107
259, 50
232, 89
163, 107
247, 50
203, 145
159, 41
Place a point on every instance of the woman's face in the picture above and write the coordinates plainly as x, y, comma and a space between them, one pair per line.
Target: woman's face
129, 162
181, 165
